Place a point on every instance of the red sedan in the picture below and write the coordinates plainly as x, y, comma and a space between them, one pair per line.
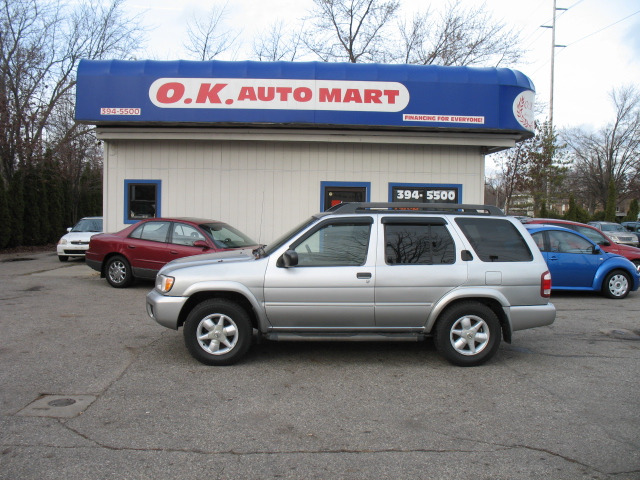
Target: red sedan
140, 250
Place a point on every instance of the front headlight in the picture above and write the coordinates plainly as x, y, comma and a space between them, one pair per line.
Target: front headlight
62, 241
164, 283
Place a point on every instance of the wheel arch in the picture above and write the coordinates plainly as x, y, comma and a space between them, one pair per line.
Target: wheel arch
610, 266
495, 302
109, 256
233, 296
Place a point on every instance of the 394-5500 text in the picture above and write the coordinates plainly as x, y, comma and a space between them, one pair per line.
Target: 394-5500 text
120, 111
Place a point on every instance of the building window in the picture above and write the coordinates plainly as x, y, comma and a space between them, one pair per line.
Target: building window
335, 193
141, 199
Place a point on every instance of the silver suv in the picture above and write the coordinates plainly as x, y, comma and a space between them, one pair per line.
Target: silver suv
466, 275
618, 233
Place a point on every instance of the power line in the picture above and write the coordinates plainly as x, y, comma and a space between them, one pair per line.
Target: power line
587, 36
603, 28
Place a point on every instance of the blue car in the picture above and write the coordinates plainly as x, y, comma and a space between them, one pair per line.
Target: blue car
576, 263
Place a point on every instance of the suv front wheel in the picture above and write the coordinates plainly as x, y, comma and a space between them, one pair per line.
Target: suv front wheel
468, 334
218, 332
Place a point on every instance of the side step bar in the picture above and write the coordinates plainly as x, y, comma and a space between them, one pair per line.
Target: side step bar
344, 337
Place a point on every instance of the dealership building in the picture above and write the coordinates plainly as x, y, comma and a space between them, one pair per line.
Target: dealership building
264, 145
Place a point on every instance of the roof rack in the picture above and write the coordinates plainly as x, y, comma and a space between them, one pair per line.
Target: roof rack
410, 207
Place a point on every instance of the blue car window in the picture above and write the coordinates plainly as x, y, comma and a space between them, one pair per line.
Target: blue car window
566, 242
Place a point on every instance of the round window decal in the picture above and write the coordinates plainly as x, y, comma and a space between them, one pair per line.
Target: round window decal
523, 109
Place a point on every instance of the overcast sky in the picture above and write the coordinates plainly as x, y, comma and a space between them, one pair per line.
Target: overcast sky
602, 39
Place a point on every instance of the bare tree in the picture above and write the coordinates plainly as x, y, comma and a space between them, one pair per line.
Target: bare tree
349, 30
277, 44
456, 37
535, 168
611, 153
207, 37
361, 31
41, 43
510, 178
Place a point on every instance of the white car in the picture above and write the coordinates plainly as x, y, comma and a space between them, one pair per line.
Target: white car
76, 242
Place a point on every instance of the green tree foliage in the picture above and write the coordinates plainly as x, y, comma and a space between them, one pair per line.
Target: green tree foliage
543, 212
545, 169
16, 209
575, 212
5, 220
36, 209
610, 208
634, 211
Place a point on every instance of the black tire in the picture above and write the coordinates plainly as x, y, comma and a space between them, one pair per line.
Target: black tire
63, 258
616, 284
118, 272
467, 334
218, 332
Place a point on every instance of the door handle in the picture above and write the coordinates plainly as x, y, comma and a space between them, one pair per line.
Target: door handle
173, 252
131, 246
363, 275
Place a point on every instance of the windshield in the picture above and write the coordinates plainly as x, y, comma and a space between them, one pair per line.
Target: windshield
278, 242
612, 227
225, 236
88, 225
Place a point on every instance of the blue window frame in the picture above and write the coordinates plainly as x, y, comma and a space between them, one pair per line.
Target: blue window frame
142, 200
425, 192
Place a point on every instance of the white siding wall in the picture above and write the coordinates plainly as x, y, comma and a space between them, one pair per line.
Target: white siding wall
266, 187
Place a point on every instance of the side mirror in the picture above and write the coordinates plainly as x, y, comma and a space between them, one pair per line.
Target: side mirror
69, 229
596, 250
288, 259
202, 244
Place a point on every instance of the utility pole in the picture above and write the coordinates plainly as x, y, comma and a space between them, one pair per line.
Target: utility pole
553, 56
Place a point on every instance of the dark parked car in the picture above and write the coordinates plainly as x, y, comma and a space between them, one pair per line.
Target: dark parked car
608, 245
633, 227
577, 263
140, 250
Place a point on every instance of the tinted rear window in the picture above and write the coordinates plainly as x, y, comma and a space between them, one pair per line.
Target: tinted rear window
418, 244
495, 240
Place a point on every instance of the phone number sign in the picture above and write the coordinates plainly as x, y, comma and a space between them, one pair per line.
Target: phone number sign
426, 194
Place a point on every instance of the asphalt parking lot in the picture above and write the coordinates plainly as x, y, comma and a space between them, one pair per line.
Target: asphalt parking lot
91, 388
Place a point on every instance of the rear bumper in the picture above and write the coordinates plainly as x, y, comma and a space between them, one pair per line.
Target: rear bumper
164, 310
531, 316
95, 264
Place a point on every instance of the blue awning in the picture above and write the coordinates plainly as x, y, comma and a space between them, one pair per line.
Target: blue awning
305, 95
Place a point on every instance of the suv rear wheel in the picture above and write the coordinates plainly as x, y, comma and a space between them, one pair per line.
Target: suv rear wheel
218, 332
468, 334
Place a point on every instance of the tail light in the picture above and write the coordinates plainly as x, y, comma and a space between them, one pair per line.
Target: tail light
545, 284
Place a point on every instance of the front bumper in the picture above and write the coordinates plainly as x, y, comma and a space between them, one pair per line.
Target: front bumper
632, 241
70, 250
165, 310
